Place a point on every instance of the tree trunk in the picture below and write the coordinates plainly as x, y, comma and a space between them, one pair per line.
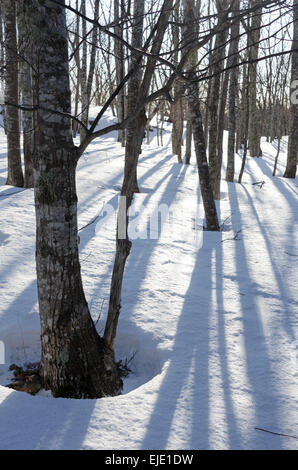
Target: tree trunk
293, 137
218, 56
188, 139
176, 107
197, 125
233, 91
83, 75
14, 172
254, 136
119, 62
75, 362
26, 90
133, 144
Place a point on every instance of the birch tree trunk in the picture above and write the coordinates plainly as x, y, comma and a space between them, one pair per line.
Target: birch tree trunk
176, 107
26, 91
83, 73
75, 362
254, 137
292, 159
12, 118
197, 125
119, 62
219, 51
134, 132
2, 61
192, 64
233, 91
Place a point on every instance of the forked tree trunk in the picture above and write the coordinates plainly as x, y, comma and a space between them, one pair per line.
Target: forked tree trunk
12, 118
293, 137
75, 362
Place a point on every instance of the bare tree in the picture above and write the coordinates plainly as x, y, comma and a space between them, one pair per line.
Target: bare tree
254, 136
233, 91
14, 173
26, 91
75, 362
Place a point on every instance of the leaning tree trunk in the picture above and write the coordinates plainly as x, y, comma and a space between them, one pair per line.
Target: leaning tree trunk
293, 137
26, 91
201, 156
254, 136
75, 362
14, 172
133, 144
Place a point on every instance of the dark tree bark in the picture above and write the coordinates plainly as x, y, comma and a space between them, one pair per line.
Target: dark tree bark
26, 63
233, 91
119, 61
197, 125
201, 156
12, 119
254, 135
293, 137
218, 56
176, 106
75, 362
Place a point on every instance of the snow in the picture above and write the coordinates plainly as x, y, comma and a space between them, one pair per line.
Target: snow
209, 320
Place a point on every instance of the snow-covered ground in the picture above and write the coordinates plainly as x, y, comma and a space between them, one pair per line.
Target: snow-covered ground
209, 320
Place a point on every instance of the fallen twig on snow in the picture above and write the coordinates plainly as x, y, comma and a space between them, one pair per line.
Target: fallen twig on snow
234, 238
277, 433
259, 183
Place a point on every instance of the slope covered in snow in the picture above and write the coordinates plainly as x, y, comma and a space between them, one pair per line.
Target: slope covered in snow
208, 320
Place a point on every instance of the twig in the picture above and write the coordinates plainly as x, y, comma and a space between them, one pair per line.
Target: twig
223, 223
94, 220
261, 183
290, 254
234, 238
277, 433
100, 312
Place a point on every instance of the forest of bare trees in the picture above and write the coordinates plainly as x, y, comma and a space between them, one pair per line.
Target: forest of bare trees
206, 67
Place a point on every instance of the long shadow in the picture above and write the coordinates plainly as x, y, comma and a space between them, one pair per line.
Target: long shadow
101, 286
281, 184
233, 429
54, 423
283, 291
266, 402
186, 380
115, 179
139, 258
